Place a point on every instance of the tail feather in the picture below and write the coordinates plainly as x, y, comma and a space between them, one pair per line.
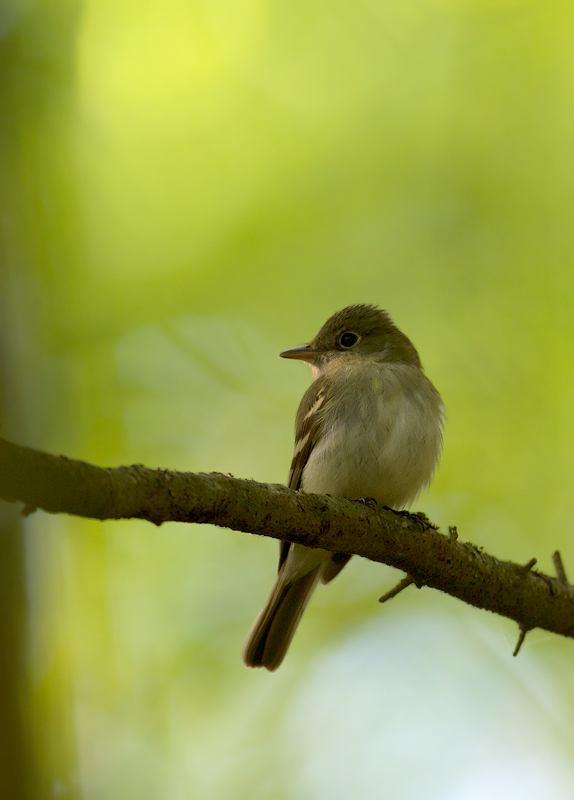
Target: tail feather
270, 637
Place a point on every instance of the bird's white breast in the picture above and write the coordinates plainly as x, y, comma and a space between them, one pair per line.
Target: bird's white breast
381, 435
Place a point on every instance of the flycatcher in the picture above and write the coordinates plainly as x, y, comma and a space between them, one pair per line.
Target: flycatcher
369, 426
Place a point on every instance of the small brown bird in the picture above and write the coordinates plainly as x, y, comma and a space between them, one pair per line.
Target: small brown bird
369, 426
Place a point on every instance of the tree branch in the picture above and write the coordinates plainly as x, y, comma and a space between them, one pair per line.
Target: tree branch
406, 541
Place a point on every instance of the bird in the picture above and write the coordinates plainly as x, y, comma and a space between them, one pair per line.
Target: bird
369, 426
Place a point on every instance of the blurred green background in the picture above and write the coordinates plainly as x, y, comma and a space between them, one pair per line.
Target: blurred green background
187, 189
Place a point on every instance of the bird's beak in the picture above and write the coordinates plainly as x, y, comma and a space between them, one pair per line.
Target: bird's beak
303, 353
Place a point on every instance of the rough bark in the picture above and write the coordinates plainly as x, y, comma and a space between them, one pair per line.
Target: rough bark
409, 542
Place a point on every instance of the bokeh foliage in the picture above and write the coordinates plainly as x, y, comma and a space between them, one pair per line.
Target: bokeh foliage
190, 187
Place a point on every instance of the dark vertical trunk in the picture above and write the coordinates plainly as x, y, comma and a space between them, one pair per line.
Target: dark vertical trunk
37, 54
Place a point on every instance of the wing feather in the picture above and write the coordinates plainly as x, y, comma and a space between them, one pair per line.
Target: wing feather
308, 424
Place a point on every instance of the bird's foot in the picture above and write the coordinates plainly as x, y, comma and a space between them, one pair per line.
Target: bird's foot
368, 501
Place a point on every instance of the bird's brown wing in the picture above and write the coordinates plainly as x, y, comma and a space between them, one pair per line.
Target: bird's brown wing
308, 424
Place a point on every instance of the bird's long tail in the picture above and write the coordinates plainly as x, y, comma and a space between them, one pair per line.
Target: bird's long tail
271, 634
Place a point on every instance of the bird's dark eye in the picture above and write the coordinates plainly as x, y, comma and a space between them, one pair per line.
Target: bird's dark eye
348, 339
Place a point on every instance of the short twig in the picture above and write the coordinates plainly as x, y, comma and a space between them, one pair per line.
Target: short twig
559, 567
453, 533
528, 566
406, 581
521, 638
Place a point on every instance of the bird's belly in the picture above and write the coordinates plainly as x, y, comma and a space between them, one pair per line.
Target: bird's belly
387, 451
